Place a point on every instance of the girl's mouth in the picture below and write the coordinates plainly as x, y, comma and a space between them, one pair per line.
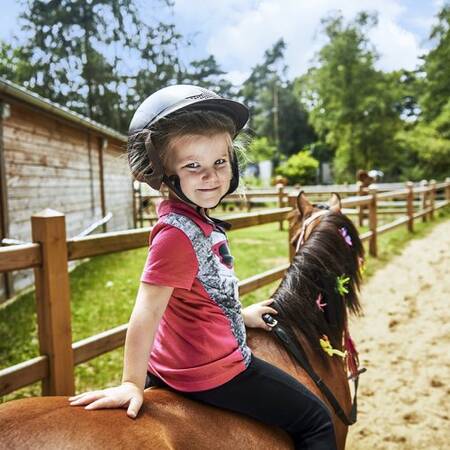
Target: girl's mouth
208, 190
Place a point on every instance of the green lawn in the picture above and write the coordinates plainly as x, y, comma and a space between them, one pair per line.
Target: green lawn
103, 292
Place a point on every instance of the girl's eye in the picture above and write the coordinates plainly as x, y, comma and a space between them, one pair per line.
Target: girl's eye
192, 165
221, 161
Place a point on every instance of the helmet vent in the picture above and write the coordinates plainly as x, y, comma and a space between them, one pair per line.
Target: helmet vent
201, 96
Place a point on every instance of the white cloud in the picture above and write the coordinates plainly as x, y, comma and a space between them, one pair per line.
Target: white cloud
238, 33
237, 77
398, 48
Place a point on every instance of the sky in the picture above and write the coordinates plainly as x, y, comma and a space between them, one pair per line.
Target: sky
238, 32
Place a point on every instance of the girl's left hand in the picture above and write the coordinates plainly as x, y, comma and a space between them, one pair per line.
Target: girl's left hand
253, 314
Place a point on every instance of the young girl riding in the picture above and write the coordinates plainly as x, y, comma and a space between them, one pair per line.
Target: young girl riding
187, 329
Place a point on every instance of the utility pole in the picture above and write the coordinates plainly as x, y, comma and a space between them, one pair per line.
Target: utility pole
275, 119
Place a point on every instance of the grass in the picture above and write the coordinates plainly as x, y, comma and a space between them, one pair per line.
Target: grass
104, 288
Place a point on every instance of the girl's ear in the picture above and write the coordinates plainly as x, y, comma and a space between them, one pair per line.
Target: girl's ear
304, 207
335, 202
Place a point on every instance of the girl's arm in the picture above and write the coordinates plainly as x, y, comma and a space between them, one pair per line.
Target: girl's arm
149, 307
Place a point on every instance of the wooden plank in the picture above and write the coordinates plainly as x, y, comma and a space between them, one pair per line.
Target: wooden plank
365, 236
401, 193
442, 204
53, 302
356, 201
98, 344
239, 221
102, 145
262, 279
422, 213
22, 256
101, 244
8, 283
23, 374
391, 225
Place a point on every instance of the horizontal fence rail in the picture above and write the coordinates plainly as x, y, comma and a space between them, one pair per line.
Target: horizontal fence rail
51, 251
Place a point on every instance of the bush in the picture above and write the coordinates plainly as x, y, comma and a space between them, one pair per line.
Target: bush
299, 168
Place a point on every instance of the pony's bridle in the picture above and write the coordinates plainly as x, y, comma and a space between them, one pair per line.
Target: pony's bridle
324, 209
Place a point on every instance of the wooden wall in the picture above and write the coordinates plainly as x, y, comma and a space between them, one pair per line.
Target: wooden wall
51, 162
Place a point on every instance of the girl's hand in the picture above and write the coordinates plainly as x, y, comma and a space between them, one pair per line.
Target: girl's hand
253, 314
123, 396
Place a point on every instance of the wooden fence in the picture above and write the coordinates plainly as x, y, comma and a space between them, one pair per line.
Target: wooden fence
145, 203
50, 252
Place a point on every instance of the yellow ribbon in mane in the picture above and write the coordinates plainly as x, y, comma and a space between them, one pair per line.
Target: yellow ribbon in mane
327, 348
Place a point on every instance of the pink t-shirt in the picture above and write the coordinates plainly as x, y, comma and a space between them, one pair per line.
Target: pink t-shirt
200, 342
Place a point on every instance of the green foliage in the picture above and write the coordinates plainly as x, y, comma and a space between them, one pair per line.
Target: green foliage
351, 106
15, 63
275, 110
442, 122
426, 153
77, 54
261, 149
299, 168
252, 182
437, 69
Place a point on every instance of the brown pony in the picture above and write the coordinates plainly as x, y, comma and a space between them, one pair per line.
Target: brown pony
168, 420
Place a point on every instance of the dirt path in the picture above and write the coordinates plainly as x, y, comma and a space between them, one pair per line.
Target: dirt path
403, 340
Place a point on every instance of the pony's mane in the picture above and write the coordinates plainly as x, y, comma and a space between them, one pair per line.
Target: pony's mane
318, 263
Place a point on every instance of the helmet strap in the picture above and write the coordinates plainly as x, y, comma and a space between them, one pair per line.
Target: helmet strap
173, 183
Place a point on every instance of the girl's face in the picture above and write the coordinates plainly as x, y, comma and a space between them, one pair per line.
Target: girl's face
203, 165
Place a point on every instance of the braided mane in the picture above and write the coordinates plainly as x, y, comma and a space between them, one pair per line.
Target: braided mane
323, 258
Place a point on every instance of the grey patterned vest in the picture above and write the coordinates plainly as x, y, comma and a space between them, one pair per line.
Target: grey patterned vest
219, 282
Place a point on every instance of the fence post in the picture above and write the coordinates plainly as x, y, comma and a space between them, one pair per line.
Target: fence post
424, 198
280, 201
432, 198
373, 222
292, 201
53, 302
410, 206
359, 185
248, 203
447, 189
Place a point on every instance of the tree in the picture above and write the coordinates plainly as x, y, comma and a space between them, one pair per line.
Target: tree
276, 113
261, 149
350, 104
437, 69
425, 145
78, 50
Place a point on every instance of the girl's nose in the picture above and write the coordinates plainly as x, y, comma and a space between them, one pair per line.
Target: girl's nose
209, 173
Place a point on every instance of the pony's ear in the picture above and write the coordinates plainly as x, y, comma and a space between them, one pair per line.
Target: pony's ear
305, 208
335, 202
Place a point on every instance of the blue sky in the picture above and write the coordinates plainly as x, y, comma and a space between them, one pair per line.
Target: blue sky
237, 32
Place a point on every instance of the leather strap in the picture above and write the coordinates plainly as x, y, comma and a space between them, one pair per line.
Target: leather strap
300, 355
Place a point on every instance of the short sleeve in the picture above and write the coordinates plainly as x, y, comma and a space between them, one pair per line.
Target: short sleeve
171, 260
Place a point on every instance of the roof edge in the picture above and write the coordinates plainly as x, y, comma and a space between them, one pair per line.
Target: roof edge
20, 93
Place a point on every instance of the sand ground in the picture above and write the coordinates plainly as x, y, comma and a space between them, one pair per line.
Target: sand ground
403, 340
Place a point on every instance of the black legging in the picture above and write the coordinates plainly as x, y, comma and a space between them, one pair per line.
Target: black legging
272, 396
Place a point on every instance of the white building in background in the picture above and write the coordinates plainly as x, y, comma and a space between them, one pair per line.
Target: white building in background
265, 172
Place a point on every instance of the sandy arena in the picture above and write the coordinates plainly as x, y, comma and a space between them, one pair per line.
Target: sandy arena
403, 340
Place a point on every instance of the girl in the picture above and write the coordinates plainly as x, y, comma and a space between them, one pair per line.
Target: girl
187, 314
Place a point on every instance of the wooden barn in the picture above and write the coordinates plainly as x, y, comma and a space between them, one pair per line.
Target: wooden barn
51, 157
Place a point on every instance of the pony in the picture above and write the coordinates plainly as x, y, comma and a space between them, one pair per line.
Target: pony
318, 291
